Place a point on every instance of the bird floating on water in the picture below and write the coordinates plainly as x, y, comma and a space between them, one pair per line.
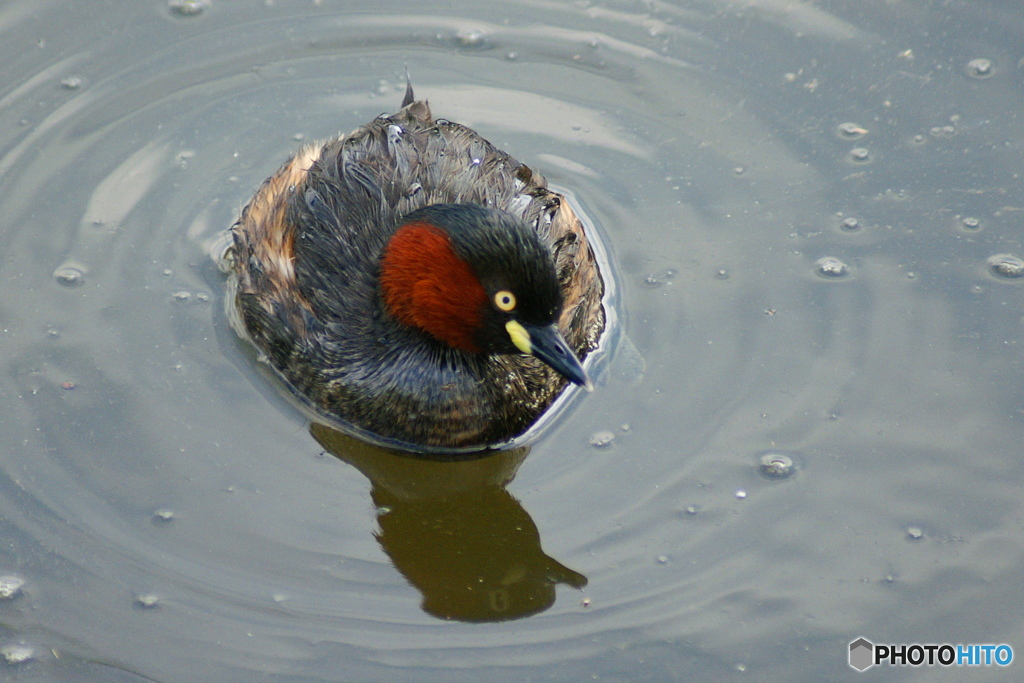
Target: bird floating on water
416, 284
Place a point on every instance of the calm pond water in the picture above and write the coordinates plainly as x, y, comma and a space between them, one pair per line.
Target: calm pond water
814, 212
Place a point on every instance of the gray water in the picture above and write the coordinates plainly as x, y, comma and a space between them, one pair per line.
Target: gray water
174, 518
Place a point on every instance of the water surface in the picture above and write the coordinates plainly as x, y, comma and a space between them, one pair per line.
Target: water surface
802, 200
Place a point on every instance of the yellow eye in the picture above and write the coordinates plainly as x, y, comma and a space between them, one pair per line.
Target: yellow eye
505, 300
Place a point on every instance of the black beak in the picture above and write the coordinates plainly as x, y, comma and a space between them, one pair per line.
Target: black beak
548, 344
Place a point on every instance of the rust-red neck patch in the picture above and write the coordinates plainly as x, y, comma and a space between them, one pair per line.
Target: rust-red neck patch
427, 285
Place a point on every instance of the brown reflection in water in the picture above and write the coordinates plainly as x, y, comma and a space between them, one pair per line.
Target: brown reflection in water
454, 532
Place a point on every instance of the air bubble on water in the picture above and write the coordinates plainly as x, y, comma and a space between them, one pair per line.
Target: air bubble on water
740, 494
147, 601
860, 155
849, 224
163, 516
188, 8
69, 276
1006, 266
915, 533
602, 439
182, 296
775, 465
979, 68
970, 223
471, 38
72, 82
830, 267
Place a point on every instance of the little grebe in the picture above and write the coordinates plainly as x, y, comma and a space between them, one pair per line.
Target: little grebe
417, 284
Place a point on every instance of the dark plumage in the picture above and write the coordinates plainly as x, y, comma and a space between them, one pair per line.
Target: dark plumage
307, 267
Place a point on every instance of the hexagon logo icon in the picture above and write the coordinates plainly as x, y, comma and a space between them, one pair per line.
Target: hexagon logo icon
862, 653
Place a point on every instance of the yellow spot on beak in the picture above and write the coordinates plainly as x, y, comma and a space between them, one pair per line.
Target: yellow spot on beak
520, 337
